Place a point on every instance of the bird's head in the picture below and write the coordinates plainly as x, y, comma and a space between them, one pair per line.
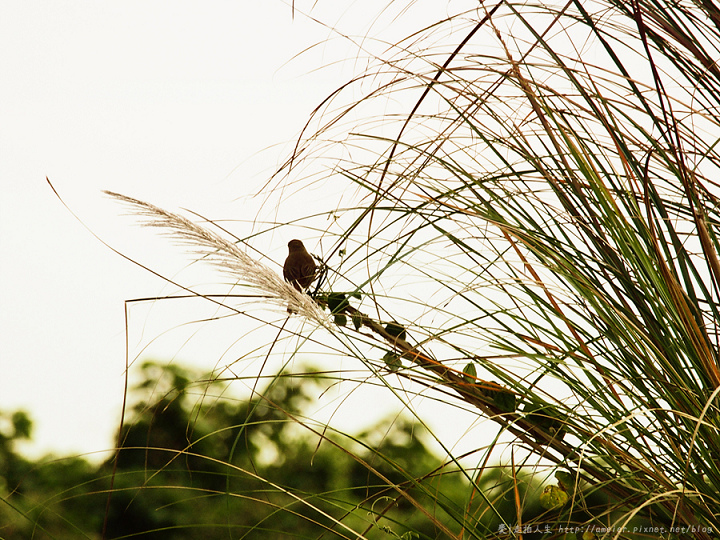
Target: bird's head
296, 245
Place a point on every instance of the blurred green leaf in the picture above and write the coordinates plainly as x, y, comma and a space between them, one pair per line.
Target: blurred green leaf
22, 425
357, 320
392, 360
470, 370
396, 330
505, 401
553, 497
566, 481
337, 302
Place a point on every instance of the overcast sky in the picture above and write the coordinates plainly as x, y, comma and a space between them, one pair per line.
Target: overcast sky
183, 104
176, 103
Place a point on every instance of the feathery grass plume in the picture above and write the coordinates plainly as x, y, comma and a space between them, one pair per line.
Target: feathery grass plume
228, 256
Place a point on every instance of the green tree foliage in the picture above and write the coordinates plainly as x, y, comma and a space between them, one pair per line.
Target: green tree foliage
195, 462
51, 498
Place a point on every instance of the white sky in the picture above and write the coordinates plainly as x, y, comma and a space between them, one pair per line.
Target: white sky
164, 102
178, 104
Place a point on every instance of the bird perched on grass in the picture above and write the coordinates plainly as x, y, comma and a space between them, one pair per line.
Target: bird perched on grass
299, 268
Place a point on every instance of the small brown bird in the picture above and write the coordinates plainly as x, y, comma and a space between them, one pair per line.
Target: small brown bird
299, 268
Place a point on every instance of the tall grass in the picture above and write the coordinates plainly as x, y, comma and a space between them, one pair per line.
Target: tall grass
528, 231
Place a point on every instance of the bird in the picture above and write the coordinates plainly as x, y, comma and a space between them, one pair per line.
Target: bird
299, 268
